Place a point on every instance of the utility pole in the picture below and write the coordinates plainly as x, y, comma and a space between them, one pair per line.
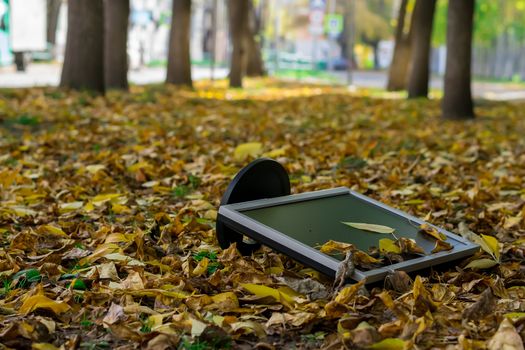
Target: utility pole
213, 38
350, 7
331, 42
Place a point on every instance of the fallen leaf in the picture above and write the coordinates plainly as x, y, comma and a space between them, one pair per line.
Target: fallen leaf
245, 150
481, 264
42, 302
441, 246
264, 291
481, 308
389, 344
493, 245
506, 338
369, 227
389, 246
432, 232
333, 247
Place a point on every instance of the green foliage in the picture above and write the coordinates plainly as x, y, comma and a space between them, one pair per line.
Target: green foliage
213, 265
491, 19
26, 277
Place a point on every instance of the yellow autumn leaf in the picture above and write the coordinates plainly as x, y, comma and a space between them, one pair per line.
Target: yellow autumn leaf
23, 211
103, 198
52, 230
481, 264
42, 302
71, 206
441, 246
264, 291
43, 346
155, 321
139, 165
94, 168
493, 245
432, 232
515, 315
226, 300
512, 221
332, 247
120, 209
245, 150
389, 344
279, 152
201, 267
369, 227
389, 246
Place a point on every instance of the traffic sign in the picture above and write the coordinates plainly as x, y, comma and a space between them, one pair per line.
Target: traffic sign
317, 4
316, 22
333, 24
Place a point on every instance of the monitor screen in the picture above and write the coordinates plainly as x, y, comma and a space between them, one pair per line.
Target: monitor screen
315, 222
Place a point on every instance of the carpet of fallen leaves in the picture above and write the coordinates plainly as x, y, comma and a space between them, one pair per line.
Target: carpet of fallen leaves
108, 207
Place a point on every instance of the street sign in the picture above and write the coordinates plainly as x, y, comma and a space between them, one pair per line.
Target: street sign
316, 22
317, 5
333, 24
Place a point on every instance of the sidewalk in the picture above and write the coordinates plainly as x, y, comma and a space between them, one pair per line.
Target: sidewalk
49, 75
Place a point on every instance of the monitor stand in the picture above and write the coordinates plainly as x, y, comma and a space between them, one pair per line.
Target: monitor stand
262, 178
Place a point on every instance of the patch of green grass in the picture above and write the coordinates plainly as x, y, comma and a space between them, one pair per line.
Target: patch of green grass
195, 181
213, 264
86, 322
26, 277
6, 287
185, 344
27, 120
180, 191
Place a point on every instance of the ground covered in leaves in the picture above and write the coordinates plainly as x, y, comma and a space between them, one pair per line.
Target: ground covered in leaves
108, 207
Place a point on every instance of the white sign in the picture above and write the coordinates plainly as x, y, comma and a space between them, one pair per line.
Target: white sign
28, 24
316, 22
318, 4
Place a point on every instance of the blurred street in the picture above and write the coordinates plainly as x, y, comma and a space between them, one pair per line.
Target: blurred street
49, 75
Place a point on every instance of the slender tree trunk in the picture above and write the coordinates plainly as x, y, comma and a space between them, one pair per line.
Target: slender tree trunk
238, 13
255, 64
53, 10
84, 58
116, 41
179, 61
400, 61
420, 57
457, 99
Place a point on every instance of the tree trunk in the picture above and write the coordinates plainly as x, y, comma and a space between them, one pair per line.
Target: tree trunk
84, 58
238, 13
420, 57
400, 61
53, 10
255, 64
457, 99
179, 61
116, 41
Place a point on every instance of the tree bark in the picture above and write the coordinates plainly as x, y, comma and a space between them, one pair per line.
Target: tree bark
420, 57
53, 10
116, 41
255, 63
84, 58
238, 16
400, 61
179, 60
457, 99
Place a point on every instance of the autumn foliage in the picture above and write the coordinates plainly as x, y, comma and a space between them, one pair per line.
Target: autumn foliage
108, 207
